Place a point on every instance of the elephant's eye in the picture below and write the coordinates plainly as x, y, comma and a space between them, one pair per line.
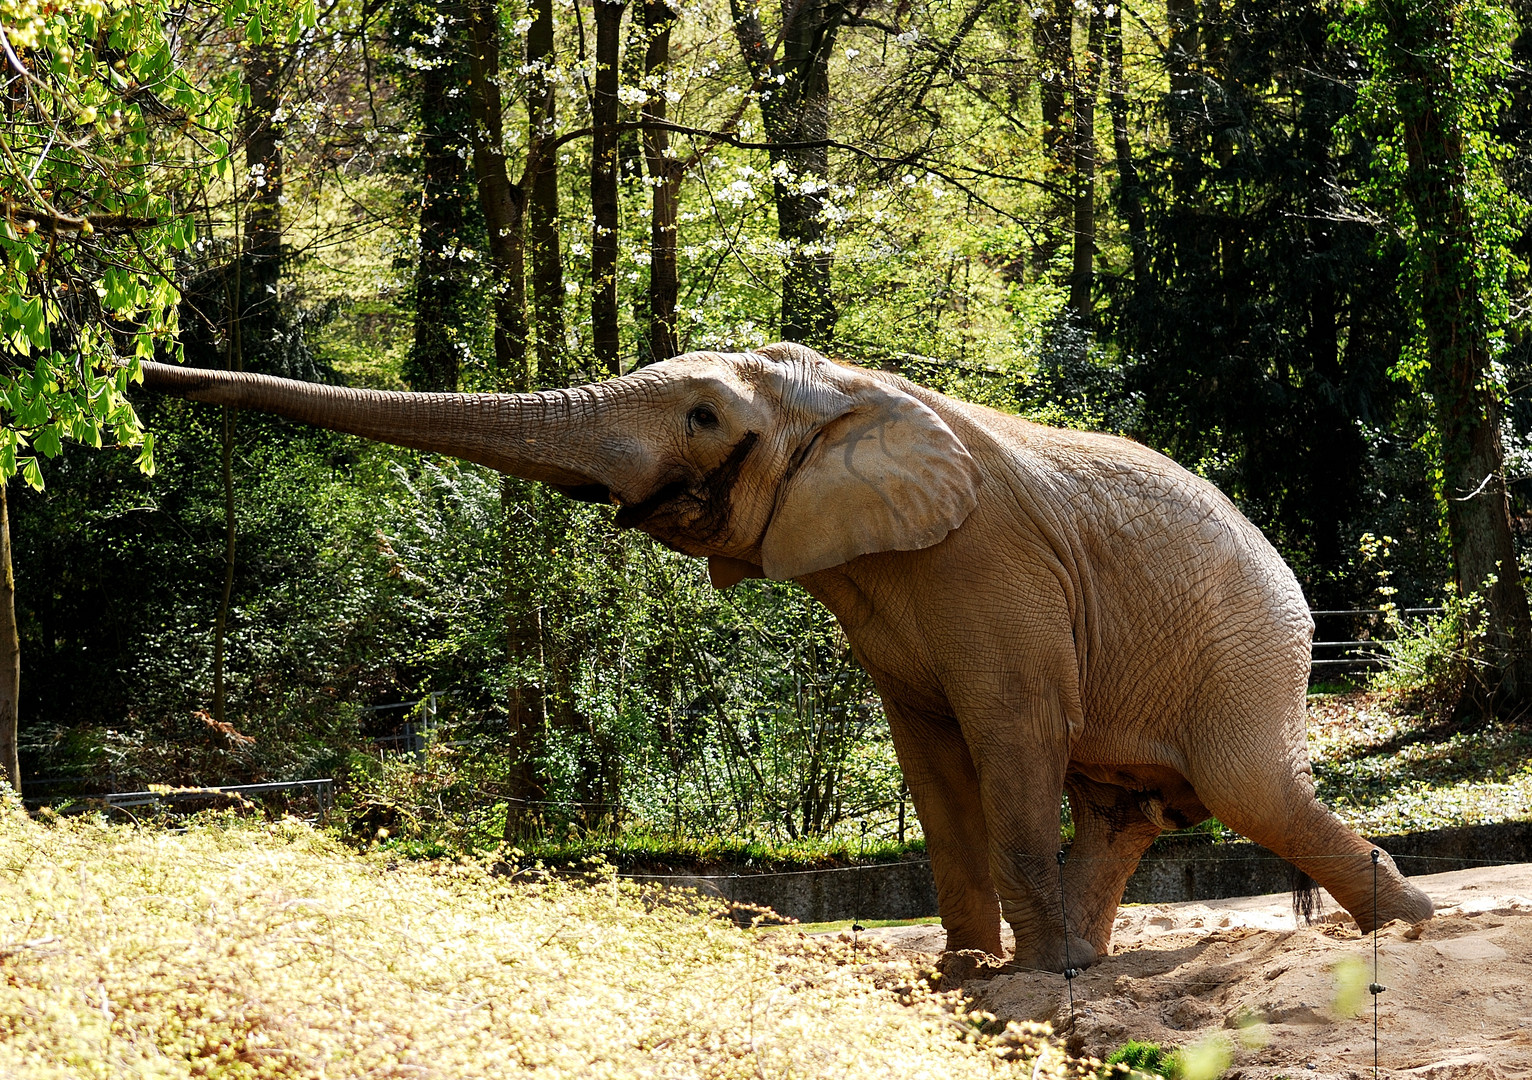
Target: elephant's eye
702, 416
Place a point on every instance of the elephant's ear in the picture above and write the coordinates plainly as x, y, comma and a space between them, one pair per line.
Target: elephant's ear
885, 474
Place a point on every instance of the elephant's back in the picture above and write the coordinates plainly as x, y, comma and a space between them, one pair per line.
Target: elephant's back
1179, 599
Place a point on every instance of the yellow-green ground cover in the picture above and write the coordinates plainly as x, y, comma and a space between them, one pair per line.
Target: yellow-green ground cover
1387, 765
232, 950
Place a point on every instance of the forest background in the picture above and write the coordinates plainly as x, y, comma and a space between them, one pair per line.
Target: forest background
1284, 242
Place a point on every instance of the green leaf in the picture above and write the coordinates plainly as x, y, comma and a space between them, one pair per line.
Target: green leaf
32, 473
48, 441
31, 318
145, 460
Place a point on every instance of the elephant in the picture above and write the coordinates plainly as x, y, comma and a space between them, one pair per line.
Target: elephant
1041, 610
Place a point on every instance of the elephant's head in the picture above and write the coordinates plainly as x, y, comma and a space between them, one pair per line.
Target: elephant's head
774, 462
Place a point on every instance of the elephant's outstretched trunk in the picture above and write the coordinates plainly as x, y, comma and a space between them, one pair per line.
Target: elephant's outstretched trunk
534, 436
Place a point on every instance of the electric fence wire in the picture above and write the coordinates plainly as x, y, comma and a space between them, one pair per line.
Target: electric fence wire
1069, 969
1450, 860
1375, 988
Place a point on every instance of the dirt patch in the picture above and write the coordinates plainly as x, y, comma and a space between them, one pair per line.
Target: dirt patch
1292, 1000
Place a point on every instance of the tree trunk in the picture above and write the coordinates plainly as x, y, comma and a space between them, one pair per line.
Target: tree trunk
1453, 314
1085, 87
1130, 192
1053, 45
630, 146
1182, 60
543, 204
603, 187
664, 186
797, 111
262, 133
234, 360
441, 291
503, 203
1184, 109
10, 653
1053, 50
230, 522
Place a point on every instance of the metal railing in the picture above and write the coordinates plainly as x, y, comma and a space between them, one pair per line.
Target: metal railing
324, 793
413, 735
1358, 653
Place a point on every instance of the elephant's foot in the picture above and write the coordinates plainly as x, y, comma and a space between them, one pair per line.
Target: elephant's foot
1406, 904
1051, 955
967, 966
974, 932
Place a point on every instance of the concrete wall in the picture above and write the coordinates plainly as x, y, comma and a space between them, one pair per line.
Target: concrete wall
1195, 868
902, 890
1176, 868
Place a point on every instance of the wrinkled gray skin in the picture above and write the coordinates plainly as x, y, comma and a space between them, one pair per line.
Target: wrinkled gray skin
1042, 610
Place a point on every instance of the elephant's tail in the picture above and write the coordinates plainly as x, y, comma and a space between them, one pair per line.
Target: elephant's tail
1308, 905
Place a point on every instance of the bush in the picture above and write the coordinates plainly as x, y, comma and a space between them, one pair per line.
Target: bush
1429, 658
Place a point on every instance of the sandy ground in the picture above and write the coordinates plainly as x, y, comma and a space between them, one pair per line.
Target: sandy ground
1292, 1000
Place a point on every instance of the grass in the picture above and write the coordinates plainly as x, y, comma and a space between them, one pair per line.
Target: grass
664, 853
232, 950
1385, 769
844, 925
661, 852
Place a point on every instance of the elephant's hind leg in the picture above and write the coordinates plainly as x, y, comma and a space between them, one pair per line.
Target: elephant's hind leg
1112, 832
1275, 806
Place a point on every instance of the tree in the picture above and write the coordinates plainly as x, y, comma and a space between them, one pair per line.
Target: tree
1430, 87
435, 67
1130, 195
603, 187
795, 109
665, 173
1053, 52
503, 203
543, 197
1084, 85
1262, 315
90, 227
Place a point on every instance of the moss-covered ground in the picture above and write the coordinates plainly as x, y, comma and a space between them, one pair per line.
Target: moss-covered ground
231, 949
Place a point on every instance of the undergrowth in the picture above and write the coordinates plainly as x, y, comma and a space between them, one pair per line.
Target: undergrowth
660, 851
269, 950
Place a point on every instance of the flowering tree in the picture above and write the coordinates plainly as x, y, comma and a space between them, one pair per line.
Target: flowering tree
107, 140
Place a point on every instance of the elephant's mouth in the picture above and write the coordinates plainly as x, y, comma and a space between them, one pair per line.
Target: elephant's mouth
632, 515
591, 493
685, 508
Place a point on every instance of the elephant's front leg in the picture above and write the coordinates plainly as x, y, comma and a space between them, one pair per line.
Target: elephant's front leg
942, 781
1019, 744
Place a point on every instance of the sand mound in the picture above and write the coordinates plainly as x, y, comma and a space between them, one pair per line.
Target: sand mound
1292, 1000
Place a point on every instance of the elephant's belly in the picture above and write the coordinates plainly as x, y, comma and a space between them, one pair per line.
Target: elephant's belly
1161, 793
